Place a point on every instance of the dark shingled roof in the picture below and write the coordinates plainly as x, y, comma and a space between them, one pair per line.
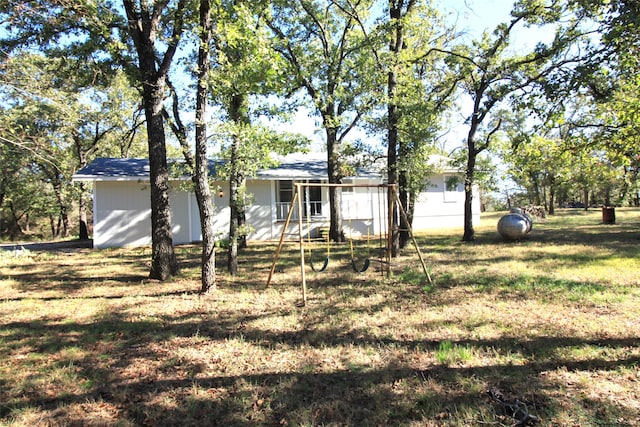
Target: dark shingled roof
295, 166
300, 166
108, 168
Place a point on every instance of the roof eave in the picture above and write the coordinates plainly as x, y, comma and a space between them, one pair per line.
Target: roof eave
102, 178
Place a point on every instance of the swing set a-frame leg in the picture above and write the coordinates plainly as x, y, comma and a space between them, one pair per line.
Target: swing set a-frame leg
413, 238
284, 229
295, 198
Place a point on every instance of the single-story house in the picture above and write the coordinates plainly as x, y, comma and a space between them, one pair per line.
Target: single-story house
122, 213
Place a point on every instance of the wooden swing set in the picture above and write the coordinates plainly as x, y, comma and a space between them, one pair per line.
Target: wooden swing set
297, 204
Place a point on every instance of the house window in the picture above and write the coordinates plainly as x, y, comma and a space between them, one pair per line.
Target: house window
452, 187
285, 191
311, 199
285, 196
347, 190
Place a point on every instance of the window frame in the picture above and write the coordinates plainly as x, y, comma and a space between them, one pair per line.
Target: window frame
451, 195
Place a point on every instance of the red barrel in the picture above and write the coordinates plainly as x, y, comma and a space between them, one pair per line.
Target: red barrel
608, 215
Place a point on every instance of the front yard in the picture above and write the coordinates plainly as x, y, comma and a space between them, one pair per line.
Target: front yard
551, 323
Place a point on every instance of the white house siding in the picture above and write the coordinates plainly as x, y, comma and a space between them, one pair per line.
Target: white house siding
122, 216
261, 214
194, 218
364, 210
221, 214
437, 208
180, 203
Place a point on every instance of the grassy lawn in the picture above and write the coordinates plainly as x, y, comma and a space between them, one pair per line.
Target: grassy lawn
552, 322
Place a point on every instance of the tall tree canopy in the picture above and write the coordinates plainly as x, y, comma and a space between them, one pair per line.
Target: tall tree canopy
101, 36
326, 54
412, 95
246, 70
74, 123
592, 105
490, 74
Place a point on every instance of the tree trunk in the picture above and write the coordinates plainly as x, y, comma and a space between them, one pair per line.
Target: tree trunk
52, 225
404, 235
392, 161
537, 199
237, 221
232, 254
1, 215
201, 176
395, 45
607, 195
237, 113
163, 260
83, 232
15, 228
585, 195
143, 27
472, 153
469, 232
242, 220
552, 193
336, 232
82, 213
63, 218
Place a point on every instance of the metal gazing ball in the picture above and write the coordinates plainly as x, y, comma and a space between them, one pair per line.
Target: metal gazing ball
514, 226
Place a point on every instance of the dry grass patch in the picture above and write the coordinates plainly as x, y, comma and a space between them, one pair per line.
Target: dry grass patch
553, 321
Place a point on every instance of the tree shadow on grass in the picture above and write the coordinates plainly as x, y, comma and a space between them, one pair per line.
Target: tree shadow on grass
138, 364
50, 280
398, 393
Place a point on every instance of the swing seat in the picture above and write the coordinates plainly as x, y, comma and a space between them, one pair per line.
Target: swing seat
364, 268
321, 269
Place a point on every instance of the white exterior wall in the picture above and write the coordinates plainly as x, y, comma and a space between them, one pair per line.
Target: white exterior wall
437, 208
261, 213
121, 214
364, 210
194, 217
180, 214
220, 219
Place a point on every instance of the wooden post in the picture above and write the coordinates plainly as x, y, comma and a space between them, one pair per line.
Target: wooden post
391, 195
286, 224
413, 238
301, 240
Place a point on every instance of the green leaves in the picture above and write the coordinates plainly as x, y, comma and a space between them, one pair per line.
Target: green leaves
257, 146
52, 125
